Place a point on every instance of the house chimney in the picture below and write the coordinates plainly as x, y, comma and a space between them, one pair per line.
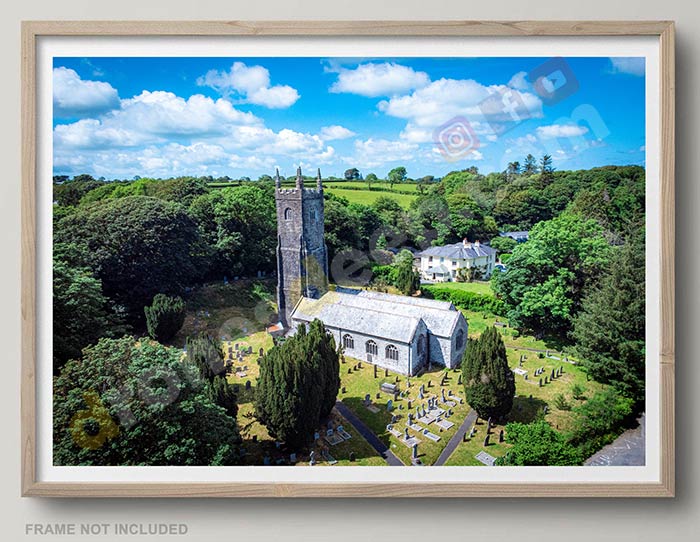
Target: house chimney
476, 243
465, 243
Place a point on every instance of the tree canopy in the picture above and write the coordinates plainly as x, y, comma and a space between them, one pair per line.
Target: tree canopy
610, 329
547, 277
129, 402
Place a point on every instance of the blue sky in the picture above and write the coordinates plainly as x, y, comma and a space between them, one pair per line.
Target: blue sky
161, 117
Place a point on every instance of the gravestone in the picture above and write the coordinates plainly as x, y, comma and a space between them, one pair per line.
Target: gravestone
343, 389
386, 372
430, 383
312, 458
255, 438
540, 382
409, 404
367, 400
375, 371
359, 365
236, 346
389, 405
261, 352
292, 458
405, 434
414, 448
486, 440
378, 395
316, 436
459, 380
500, 436
349, 371
247, 384
352, 457
552, 375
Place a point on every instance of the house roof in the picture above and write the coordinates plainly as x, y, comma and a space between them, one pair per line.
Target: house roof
387, 316
459, 251
515, 234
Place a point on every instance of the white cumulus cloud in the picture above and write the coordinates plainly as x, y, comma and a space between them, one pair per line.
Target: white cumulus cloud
335, 131
379, 79
561, 130
445, 99
629, 65
76, 97
251, 84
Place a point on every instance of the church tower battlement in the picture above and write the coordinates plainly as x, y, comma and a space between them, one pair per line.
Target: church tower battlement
302, 257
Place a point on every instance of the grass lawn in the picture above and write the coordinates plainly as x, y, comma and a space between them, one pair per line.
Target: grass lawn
227, 311
477, 287
530, 400
360, 382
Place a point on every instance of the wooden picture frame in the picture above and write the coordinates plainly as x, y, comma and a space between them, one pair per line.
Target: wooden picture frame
33, 31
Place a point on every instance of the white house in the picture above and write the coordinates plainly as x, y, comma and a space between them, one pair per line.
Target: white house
441, 264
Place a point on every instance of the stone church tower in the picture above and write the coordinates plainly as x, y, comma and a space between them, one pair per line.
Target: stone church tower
302, 259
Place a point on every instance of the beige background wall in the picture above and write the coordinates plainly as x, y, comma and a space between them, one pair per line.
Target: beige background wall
310, 520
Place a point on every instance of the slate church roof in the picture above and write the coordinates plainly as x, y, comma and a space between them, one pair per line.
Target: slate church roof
387, 316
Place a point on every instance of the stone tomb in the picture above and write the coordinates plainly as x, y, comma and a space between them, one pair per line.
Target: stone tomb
486, 459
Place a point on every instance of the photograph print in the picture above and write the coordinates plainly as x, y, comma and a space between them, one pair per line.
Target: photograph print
339, 262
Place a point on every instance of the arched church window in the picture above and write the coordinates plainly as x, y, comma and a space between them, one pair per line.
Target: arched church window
348, 342
392, 352
459, 342
371, 348
287, 214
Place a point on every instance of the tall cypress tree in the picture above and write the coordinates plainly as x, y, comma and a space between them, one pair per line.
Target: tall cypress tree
609, 331
489, 384
298, 385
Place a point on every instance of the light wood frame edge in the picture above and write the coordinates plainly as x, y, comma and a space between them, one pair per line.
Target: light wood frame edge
31, 30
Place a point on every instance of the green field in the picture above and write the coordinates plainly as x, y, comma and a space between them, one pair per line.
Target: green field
403, 188
367, 197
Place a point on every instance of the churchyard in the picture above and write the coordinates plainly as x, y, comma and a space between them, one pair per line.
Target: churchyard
387, 413
235, 315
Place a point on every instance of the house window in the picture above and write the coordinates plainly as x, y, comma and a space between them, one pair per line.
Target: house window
287, 214
430, 258
454, 263
442, 260
392, 352
348, 342
459, 343
371, 348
